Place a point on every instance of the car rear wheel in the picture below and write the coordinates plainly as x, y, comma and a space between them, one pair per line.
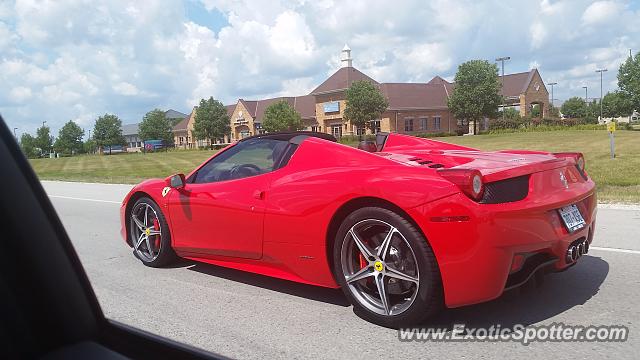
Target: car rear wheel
386, 268
149, 234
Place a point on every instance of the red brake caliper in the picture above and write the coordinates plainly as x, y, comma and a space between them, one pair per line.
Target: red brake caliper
156, 226
363, 261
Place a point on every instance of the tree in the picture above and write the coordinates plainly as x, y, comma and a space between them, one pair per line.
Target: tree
511, 113
280, 116
616, 104
69, 138
155, 126
535, 111
629, 81
554, 112
43, 140
211, 120
477, 91
107, 131
28, 146
89, 146
574, 107
592, 112
365, 103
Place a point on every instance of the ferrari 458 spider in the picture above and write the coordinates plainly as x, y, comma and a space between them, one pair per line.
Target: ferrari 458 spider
404, 226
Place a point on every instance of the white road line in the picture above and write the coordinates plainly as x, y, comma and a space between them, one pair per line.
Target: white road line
85, 199
637, 252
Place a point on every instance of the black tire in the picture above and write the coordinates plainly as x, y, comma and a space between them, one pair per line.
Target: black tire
429, 297
166, 254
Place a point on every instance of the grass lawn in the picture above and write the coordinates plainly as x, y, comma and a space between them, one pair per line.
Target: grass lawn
618, 179
126, 168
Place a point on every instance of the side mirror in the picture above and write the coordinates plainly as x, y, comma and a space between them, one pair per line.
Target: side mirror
177, 181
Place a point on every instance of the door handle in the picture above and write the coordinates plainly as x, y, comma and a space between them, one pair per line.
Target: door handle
258, 194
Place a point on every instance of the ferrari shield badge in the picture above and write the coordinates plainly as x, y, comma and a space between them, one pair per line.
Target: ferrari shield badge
165, 191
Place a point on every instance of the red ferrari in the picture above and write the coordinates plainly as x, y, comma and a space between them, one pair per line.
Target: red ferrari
405, 227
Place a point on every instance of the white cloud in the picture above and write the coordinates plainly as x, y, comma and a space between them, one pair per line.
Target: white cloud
549, 8
7, 37
601, 12
538, 35
20, 94
125, 88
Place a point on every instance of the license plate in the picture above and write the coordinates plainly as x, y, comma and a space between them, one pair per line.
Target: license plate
572, 217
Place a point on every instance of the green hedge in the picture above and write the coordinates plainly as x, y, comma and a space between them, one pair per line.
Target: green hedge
439, 134
541, 128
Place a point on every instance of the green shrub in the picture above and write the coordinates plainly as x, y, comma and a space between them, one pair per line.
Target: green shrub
542, 127
432, 135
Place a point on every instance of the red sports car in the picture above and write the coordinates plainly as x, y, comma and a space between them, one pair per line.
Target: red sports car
404, 227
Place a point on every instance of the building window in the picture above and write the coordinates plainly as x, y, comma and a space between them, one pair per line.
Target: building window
423, 123
331, 107
336, 131
436, 122
375, 126
408, 124
316, 128
360, 130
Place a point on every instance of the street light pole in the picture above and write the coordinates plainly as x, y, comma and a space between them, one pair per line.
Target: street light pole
502, 60
612, 143
586, 99
601, 71
14, 133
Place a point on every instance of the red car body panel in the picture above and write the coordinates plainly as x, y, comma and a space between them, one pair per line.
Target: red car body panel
278, 224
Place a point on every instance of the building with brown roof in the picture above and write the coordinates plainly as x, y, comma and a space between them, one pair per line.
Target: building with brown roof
523, 91
247, 117
413, 107
183, 137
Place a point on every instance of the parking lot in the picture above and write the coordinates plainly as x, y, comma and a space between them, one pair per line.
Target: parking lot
244, 315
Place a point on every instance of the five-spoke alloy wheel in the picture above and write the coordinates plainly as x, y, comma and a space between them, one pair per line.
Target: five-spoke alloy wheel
386, 268
149, 233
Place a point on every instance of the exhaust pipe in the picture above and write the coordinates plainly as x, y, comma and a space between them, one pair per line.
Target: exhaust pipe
575, 251
581, 249
570, 254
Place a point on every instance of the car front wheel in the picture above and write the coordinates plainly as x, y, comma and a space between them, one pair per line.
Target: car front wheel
386, 268
149, 234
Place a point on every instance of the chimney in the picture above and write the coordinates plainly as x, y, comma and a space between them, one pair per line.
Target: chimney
347, 61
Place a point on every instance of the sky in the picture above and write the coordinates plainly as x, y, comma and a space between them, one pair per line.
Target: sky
64, 60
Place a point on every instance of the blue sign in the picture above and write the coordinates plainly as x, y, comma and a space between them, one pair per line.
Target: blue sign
153, 145
333, 106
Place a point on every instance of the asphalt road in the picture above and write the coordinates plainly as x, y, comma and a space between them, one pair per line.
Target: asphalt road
242, 315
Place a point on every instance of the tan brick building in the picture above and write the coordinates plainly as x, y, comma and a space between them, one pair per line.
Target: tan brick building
183, 131
414, 108
524, 90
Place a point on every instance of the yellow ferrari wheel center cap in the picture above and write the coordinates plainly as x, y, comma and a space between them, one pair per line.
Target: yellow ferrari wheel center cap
378, 266
148, 231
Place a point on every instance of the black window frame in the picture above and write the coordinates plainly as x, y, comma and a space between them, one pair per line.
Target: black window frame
408, 124
276, 162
